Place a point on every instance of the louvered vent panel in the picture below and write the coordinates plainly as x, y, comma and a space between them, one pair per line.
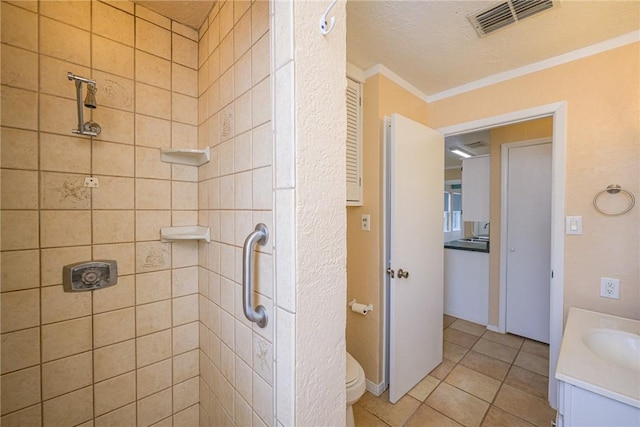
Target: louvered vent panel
506, 13
354, 118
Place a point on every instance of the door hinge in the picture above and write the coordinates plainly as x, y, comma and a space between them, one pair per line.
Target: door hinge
552, 274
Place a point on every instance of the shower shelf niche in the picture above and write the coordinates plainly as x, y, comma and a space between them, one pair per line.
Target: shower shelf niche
186, 156
187, 232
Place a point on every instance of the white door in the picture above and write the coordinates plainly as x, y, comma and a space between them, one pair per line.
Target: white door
528, 273
415, 172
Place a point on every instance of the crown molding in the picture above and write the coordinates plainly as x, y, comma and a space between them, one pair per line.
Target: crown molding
381, 69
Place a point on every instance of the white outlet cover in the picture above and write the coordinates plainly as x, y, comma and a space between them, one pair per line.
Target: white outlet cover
610, 287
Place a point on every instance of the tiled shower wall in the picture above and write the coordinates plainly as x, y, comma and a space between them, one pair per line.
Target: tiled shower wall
235, 193
127, 354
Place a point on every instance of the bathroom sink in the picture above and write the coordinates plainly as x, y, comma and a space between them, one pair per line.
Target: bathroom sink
621, 348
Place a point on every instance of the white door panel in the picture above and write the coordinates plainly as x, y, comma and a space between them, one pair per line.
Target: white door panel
416, 178
529, 241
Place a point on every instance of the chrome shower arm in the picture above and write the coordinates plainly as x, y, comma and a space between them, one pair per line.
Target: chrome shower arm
89, 128
72, 76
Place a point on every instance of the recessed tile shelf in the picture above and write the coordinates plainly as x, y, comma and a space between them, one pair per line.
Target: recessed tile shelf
186, 156
187, 232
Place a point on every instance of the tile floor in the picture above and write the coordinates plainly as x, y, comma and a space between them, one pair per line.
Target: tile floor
486, 379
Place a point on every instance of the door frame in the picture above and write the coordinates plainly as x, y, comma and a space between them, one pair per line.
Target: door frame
558, 111
504, 169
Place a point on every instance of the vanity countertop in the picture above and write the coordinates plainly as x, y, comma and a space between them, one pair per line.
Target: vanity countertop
580, 366
465, 245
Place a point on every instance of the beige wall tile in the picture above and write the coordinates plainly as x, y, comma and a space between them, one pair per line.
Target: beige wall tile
114, 360
184, 217
53, 76
185, 254
242, 108
153, 70
148, 224
240, 7
262, 146
120, 295
226, 53
20, 349
115, 392
113, 91
69, 409
117, 125
185, 309
65, 228
185, 51
112, 57
185, 195
65, 153
184, 173
24, 108
54, 259
20, 270
65, 375
58, 115
153, 348
185, 109
152, 287
153, 194
123, 253
113, 193
25, 389
185, 366
184, 281
153, 101
69, 12
226, 18
154, 408
184, 136
153, 132
153, 39
260, 59
113, 226
183, 30
19, 149
153, 378
185, 338
125, 416
31, 416
149, 165
19, 68
112, 23
242, 36
153, 317
242, 74
188, 417
64, 42
184, 80
59, 305
185, 394
261, 102
153, 17
20, 310
113, 326
64, 191
19, 27
259, 19
112, 159
66, 338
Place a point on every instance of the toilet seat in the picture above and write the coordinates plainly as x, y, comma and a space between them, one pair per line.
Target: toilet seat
353, 371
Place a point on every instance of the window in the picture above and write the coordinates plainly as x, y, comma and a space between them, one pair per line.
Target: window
452, 211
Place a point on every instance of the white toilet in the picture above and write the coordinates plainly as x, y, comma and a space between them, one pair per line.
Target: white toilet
356, 386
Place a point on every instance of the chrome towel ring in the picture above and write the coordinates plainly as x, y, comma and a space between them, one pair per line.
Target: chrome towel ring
614, 189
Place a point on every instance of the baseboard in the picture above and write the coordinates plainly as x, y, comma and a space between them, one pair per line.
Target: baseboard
376, 389
494, 328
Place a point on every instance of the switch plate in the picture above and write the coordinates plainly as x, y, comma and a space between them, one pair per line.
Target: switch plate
366, 223
573, 225
610, 287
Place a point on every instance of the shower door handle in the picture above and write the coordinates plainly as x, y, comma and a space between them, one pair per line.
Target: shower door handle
258, 315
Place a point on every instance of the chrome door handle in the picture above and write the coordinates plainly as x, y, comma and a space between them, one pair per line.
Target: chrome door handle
259, 315
391, 273
402, 273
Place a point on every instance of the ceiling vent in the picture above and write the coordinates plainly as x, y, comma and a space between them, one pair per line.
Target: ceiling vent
476, 145
493, 18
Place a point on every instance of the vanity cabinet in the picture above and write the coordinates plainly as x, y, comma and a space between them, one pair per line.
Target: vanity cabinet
475, 188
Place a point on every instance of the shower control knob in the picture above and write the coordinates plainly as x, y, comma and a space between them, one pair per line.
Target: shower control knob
91, 277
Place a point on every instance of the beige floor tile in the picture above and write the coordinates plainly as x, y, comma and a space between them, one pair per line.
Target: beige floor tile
427, 416
448, 320
533, 363
454, 352
469, 327
423, 389
460, 338
454, 403
493, 349
474, 383
528, 381
504, 339
496, 417
537, 348
392, 414
443, 369
365, 418
486, 365
524, 405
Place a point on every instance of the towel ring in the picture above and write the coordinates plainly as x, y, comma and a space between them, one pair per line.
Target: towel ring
614, 189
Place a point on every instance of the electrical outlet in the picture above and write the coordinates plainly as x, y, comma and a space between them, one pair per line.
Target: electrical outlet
609, 288
366, 223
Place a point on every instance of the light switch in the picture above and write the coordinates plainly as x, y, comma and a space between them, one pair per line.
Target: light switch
573, 225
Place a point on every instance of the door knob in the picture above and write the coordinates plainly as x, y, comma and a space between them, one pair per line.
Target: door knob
402, 273
391, 273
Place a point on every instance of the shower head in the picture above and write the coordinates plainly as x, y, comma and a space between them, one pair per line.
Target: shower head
90, 99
